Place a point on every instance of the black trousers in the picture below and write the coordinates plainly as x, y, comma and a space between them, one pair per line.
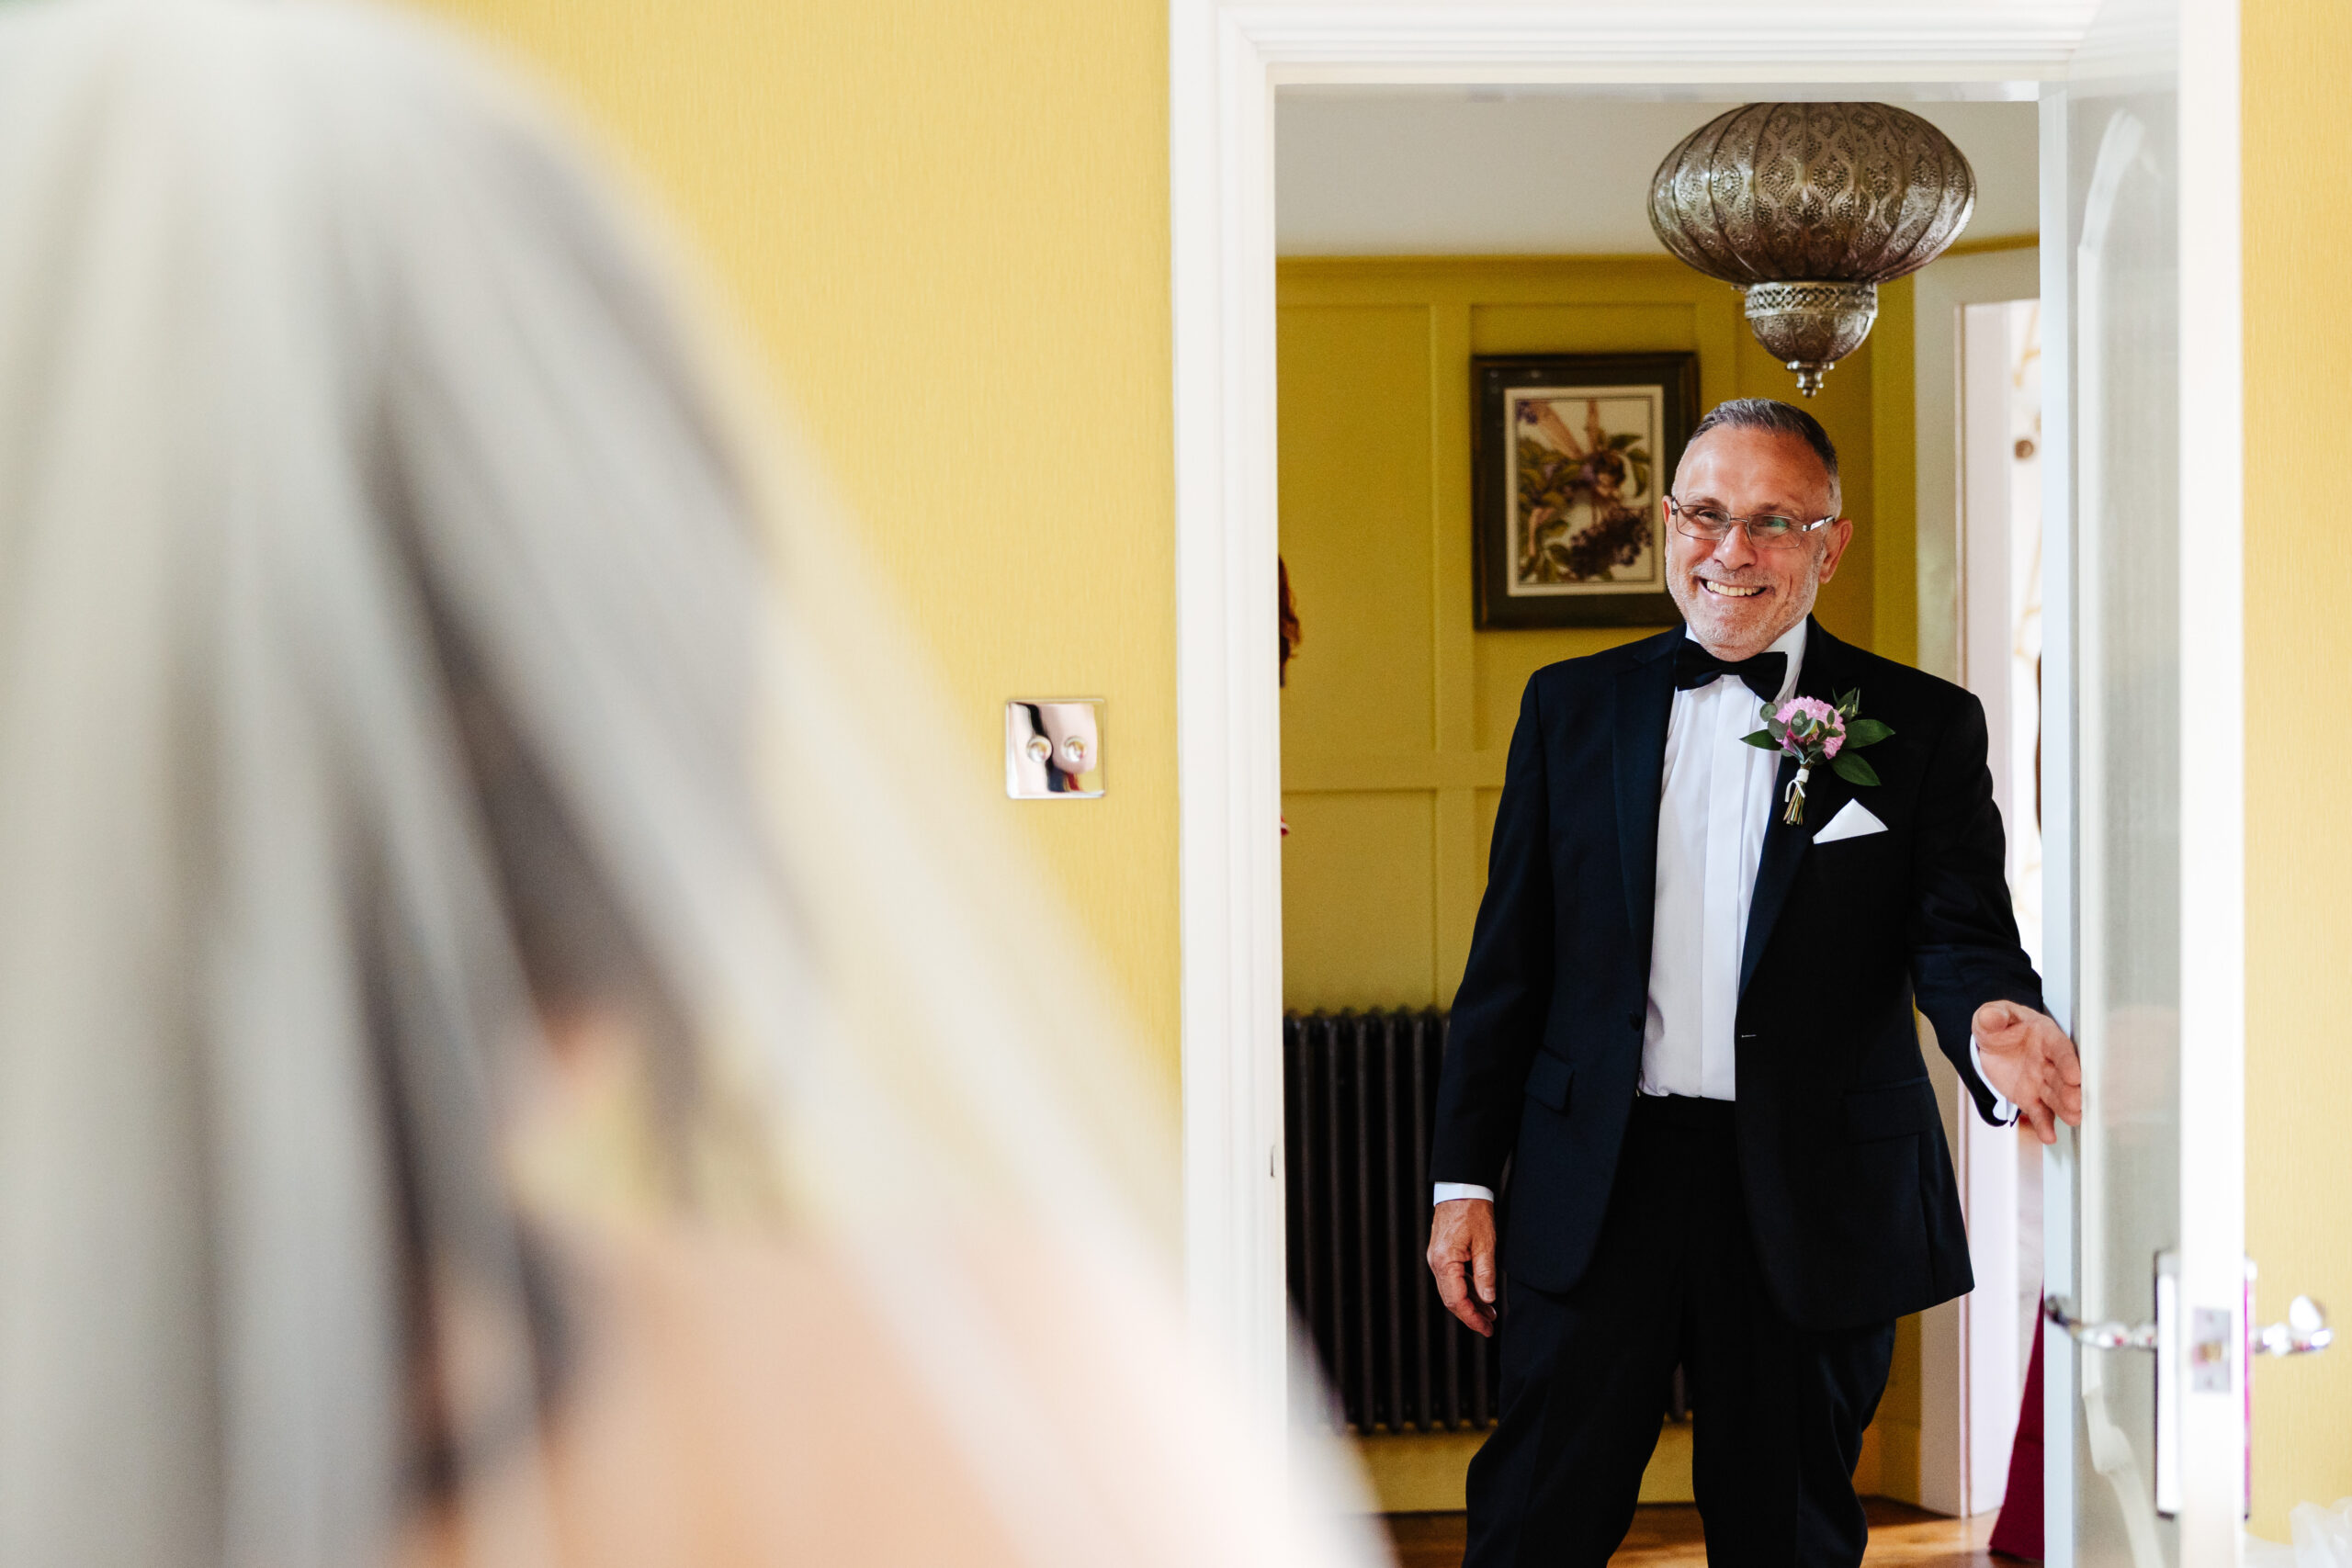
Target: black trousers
1778, 1411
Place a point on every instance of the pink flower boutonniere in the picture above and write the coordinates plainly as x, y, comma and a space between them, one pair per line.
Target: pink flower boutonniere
1814, 732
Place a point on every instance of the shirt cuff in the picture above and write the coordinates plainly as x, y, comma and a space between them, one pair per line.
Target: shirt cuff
1450, 1191
2003, 1111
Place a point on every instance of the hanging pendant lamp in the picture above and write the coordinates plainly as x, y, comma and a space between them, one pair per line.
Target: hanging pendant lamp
1806, 208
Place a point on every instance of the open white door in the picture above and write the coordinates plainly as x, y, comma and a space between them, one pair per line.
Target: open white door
2146, 1430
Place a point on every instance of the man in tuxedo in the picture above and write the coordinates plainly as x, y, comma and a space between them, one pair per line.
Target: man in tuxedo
1684, 1052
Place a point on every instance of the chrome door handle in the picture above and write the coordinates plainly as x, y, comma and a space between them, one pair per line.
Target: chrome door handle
2209, 1349
2304, 1331
2109, 1336
2206, 1359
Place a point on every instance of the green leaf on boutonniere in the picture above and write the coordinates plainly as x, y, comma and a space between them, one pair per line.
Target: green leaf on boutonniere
1852, 769
1851, 702
1866, 732
1762, 740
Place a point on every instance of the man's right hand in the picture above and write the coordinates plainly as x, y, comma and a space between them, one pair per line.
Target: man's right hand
1462, 1255
2028, 1061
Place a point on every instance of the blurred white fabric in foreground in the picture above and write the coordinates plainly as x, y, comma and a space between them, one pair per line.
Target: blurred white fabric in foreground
482, 1079
2322, 1539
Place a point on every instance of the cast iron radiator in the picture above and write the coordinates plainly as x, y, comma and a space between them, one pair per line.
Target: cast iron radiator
1359, 1101
1360, 1097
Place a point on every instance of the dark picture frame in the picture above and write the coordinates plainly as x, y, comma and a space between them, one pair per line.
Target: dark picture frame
1570, 454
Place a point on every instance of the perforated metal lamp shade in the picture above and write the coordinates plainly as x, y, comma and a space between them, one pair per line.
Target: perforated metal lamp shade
1807, 209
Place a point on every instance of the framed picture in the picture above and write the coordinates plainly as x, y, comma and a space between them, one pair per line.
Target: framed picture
1570, 454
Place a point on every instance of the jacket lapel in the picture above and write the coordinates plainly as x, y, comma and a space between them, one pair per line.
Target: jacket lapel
1644, 700
1785, 846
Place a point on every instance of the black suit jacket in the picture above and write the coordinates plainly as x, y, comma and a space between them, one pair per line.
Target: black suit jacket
1848, 1178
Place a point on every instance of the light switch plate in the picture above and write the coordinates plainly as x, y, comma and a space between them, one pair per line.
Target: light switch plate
1053, 747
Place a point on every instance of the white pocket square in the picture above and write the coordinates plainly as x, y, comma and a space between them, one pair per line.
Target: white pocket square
1854, 821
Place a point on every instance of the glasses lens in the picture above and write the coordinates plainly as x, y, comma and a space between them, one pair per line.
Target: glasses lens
1712, 524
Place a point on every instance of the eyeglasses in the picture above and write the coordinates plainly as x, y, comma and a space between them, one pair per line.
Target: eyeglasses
1766, 531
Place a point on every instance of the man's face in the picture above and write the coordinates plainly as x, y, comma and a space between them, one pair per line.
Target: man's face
1736, 597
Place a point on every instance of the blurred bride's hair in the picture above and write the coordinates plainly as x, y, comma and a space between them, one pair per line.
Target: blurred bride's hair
423, 683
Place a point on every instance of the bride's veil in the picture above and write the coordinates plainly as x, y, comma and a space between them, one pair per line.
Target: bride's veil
410, 626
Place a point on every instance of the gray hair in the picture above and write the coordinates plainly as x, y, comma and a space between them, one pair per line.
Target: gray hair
1781, 419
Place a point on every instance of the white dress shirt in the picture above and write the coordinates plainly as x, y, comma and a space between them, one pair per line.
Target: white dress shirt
1716, 801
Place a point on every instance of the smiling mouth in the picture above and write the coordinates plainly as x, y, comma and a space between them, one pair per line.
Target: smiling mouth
1730, 590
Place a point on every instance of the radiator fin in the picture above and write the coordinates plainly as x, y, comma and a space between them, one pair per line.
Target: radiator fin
1360, 1098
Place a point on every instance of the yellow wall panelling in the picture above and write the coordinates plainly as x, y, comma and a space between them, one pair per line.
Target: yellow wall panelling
1399, 713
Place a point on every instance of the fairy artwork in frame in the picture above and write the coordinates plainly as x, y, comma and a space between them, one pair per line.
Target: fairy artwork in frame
1571, 455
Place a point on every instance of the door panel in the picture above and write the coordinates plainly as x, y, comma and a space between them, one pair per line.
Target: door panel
2121, 142
2138, 588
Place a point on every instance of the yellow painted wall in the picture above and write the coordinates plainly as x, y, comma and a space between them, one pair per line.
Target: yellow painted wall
2298, 217
945, 222
1399, 713
1895, 497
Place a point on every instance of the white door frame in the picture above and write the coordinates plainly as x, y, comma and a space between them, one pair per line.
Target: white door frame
1971, 1369
2212, 794
1226, 59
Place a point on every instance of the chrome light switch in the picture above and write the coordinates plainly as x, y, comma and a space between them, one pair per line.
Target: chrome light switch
1053, 747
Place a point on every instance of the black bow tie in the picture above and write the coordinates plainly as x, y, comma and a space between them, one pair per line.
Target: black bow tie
1695, 667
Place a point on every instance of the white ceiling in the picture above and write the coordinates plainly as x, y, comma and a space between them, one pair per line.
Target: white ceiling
1542, 172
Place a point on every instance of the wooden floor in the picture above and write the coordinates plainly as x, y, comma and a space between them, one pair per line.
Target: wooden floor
1667, 1536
